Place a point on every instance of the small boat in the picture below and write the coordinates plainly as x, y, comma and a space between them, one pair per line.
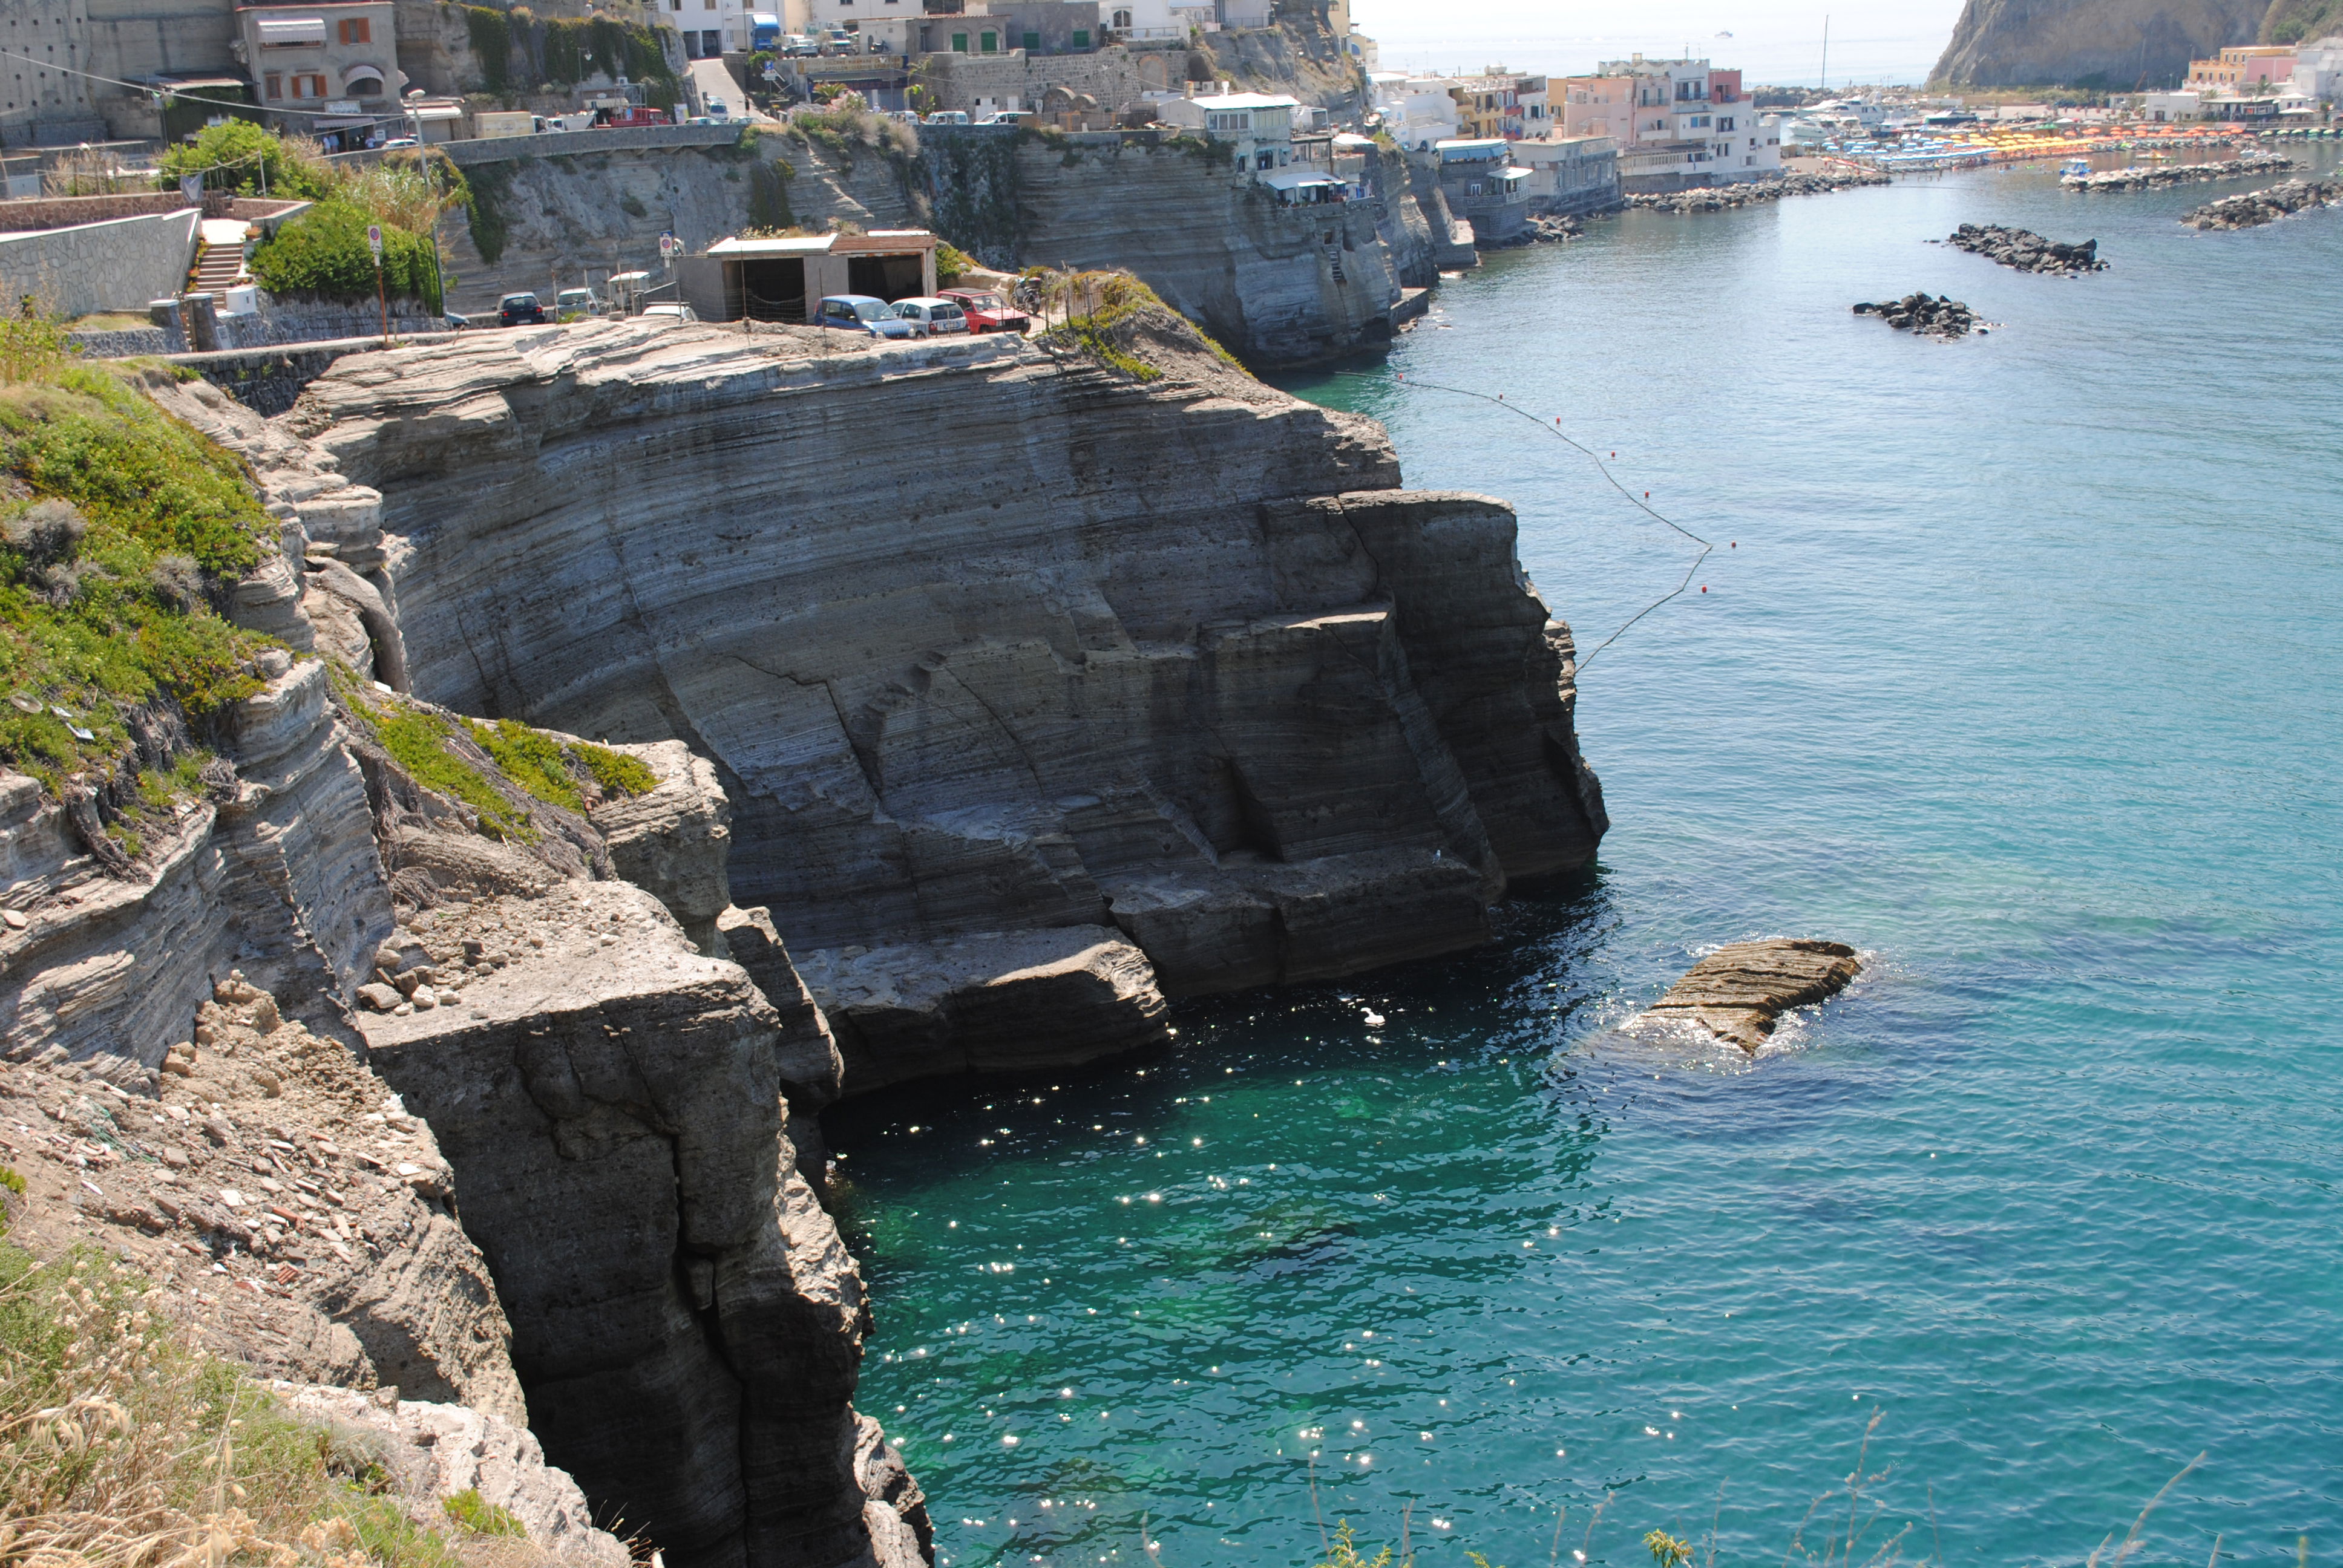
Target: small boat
2076, 169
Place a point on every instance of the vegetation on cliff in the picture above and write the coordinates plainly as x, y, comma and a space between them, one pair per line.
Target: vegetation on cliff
122, 532
2297, 21
516, 52
497, 767
124, 1446
1115, 319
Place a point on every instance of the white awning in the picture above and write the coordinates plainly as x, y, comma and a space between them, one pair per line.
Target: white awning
1294, 179
285, 32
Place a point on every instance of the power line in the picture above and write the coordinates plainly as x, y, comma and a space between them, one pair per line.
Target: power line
1555, 430
398, 113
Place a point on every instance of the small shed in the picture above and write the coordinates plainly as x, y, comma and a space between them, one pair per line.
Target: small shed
780, 278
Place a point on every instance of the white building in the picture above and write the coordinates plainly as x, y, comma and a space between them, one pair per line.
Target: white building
1258, 125
2165, 108
2318, 69
1418, 111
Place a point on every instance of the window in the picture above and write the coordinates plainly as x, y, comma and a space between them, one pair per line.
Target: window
960, 42
1033, 43
1122, 19
989, 42
273, 84
1082, 37
357, 30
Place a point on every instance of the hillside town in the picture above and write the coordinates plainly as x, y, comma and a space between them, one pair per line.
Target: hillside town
137, 192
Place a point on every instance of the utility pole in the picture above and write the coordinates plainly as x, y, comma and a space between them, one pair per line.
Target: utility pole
431, 184
381, 298
1825, 50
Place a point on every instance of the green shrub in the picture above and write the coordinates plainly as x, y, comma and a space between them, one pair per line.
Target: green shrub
324, 252
618, 773
469, 1509
489, 184
951, 262
238, 155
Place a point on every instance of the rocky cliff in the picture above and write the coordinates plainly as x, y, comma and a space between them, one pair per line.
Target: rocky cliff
1276, 283
1164, 663
2116, 45
963, 699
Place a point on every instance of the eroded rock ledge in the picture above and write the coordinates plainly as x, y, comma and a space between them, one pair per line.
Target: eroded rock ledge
982, 643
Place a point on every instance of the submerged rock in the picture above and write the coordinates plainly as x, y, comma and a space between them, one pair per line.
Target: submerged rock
2026, 251
1738, 991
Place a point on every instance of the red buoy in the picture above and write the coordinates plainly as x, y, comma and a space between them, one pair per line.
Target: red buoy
1704, 587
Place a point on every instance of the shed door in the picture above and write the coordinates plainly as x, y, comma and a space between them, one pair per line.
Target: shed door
891, 277
776, 288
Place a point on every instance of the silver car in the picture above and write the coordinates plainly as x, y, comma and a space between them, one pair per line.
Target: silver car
931, 317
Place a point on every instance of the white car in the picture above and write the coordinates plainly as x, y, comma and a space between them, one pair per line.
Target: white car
668, 313
931, 317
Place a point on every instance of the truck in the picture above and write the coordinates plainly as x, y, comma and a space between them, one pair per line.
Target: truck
492, 123
632, 114
764, 32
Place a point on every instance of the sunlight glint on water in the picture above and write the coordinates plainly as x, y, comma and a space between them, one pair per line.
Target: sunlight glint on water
2020, 675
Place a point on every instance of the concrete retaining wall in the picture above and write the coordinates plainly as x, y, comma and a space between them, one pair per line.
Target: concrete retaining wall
553, 144
268, 380
116, 266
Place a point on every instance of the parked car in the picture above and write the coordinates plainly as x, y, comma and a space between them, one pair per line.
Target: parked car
396, 142
458, 323
670, 313
1005, 117
934, 318
948, 117
719, 111
986, 311
576, 301
800, 44
519, 310
863, 313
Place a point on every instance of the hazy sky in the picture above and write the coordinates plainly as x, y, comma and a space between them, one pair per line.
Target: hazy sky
1772, 40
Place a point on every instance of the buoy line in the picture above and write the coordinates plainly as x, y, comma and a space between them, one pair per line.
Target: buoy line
1643, 503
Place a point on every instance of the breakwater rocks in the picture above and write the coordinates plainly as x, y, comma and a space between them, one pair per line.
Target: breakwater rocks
1740, 992
2254, 208
1753, 192
2160, 176
1936, 316
2025, 250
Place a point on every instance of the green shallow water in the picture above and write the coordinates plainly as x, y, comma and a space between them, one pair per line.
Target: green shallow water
2021, 675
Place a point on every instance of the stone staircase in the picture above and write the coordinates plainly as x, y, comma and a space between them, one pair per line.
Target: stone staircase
218, 268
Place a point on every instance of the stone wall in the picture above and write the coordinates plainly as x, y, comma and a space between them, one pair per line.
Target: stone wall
119, 264
268, 380
570, 144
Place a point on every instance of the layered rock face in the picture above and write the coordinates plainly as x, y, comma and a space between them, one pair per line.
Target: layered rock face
2119, 45
1170, 663
685, 1319
1275, 283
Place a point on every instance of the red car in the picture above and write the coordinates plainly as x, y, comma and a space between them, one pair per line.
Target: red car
986, 311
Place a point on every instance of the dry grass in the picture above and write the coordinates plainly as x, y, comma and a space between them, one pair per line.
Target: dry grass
122, 1446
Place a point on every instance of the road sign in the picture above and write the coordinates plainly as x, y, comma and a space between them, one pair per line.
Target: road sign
373, 240
669, 245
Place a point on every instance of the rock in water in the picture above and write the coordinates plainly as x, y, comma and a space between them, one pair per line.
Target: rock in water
1941, 316
2254, 208
2026, 251
1738, 990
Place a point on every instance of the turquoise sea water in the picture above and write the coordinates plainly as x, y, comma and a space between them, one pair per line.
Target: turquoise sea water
2020, 673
